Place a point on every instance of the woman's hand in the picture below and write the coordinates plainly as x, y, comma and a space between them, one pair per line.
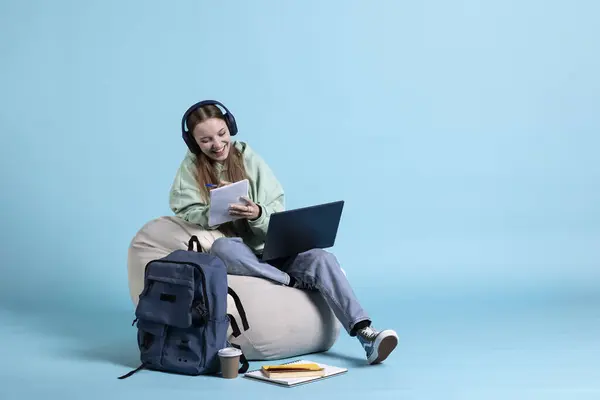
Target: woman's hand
250, 210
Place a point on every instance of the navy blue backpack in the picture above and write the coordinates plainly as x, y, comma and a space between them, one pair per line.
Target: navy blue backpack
181, 315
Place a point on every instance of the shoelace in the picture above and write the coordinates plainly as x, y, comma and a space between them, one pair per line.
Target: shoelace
368, 333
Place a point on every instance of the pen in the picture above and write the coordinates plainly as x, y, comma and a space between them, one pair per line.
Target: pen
210, 185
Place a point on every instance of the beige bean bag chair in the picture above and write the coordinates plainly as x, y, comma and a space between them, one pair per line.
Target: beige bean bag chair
283, 322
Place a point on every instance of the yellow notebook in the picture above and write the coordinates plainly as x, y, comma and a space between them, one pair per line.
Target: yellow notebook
295, 373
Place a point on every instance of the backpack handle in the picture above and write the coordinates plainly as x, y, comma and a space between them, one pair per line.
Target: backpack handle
194, 239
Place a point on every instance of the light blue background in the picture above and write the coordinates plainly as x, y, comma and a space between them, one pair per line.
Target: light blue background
463, 136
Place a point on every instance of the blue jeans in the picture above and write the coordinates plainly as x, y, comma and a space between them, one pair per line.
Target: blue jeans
316, 269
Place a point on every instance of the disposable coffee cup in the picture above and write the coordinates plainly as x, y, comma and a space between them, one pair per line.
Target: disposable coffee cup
230, 362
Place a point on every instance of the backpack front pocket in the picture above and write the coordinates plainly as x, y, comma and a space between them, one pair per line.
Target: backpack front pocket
184, 351
168, 294
151, 342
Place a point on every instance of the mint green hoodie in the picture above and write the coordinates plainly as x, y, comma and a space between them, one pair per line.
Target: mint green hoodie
187, 202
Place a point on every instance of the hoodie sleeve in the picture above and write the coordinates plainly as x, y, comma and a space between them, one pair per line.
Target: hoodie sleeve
267, 192
185, 198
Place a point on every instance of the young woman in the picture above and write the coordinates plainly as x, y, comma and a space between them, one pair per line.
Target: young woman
215, 159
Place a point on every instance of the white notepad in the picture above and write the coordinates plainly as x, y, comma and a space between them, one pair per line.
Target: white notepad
221, 198
290, 382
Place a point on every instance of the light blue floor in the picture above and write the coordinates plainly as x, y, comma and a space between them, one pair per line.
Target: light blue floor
521, 347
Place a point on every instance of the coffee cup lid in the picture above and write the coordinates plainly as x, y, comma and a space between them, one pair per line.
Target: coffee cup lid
230, 352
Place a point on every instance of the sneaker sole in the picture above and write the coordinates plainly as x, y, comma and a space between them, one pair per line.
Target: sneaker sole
384, 349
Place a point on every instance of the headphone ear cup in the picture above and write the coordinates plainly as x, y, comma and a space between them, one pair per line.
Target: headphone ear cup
231, 124
191, 143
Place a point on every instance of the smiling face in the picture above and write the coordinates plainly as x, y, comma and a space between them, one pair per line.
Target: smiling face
213, 138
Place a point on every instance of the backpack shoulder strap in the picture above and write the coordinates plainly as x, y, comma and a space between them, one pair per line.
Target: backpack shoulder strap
127, 375
240, 308
245, 364
235, 327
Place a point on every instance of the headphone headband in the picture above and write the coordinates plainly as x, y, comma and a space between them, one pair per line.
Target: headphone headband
188, 137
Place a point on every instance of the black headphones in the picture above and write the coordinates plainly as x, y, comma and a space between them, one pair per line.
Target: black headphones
188, 138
